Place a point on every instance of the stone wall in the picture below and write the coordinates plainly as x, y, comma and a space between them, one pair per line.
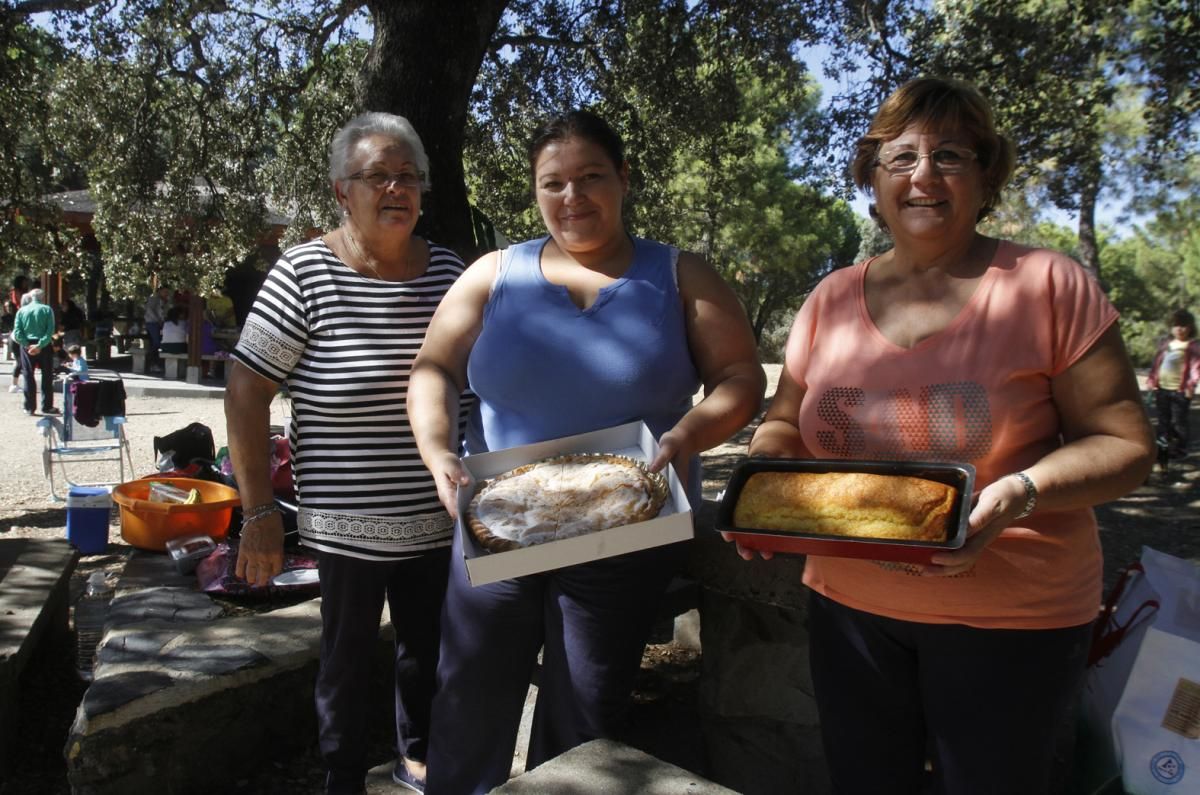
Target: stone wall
186, 701
760, 721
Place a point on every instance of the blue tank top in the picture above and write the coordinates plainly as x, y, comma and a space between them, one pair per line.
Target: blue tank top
543, 368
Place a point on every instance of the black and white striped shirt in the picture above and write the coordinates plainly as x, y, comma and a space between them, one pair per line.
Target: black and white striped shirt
345, 344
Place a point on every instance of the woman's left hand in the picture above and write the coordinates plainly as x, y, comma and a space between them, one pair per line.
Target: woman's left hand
673, 449
995, 509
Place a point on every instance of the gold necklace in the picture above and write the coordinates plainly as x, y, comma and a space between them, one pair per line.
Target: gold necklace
365, 260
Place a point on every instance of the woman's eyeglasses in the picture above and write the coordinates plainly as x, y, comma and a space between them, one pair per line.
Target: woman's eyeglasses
945, 160
380, 180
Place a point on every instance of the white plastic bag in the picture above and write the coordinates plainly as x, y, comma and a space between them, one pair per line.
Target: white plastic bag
1156, 723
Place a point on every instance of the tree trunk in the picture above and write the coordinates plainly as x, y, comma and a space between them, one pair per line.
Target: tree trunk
1089, 255
422, 65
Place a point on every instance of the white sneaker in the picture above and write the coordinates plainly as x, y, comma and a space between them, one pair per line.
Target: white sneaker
14, 388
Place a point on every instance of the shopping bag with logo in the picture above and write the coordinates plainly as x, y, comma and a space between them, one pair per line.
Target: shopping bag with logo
1156, 723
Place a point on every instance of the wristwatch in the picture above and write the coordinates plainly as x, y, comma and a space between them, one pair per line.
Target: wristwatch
1031, 493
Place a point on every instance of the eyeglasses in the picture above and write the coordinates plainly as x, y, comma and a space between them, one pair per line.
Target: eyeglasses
945, 160
379, 180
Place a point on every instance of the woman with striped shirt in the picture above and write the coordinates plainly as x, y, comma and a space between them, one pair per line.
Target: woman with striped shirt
340, 320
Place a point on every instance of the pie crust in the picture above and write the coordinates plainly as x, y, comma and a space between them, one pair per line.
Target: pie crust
562, 497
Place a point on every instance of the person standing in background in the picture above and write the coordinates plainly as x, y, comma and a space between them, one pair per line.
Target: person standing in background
33, 331
72, 321
1173, 377
6, 327
154, 317
173, 338
20, 287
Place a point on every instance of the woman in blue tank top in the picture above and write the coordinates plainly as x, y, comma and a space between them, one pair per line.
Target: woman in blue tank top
584, 329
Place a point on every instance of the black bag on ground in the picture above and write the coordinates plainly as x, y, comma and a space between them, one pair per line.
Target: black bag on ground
186, 445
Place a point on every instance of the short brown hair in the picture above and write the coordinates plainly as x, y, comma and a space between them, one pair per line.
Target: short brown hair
943, 104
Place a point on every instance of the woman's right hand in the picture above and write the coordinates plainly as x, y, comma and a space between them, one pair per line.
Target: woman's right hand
260, 553
777, 436
747, 554
448, 474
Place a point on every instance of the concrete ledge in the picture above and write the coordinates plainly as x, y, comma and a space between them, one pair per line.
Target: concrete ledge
176, 366
182, 703
189, 707
606, 767
35, 577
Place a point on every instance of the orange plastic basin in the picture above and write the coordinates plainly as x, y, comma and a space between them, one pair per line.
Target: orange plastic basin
150, 525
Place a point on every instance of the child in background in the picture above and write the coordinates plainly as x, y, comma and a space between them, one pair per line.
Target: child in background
1173, 377
79, 366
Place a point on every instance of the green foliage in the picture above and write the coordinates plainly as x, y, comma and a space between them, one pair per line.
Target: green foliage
737, 197
185, 115
873, 240
295, 173
32, 235
1154, 272
1098, 96
178, 113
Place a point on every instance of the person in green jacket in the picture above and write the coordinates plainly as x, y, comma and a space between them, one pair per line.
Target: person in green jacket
32, 332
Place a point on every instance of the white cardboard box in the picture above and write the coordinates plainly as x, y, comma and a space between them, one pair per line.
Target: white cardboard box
673, 523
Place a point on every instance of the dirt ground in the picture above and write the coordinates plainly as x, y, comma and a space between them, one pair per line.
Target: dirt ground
1164, 514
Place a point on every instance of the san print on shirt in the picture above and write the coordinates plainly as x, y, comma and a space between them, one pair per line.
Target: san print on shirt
941, 422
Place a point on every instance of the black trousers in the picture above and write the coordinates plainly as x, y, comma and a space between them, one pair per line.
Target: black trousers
352, 596
44, 359
1171, 414
988, 703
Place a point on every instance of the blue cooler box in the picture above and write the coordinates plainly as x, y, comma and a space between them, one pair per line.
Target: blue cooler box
88, 508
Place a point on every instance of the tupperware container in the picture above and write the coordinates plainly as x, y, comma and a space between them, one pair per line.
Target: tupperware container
960, 476
150, 525
187, 552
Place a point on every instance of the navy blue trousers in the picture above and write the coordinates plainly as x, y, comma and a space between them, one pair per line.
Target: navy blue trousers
591, 622
352, 596
44, 359
1171, 409
988, 703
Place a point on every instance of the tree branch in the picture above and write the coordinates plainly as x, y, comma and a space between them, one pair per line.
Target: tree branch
31, 7
498, 42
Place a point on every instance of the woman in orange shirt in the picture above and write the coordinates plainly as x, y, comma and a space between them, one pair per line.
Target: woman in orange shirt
953, 346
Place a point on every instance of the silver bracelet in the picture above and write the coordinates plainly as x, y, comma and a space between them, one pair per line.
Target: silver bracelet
1031, 493
264, 508
261, 512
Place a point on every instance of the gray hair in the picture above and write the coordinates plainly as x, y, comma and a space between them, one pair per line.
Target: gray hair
34, 296
375, 123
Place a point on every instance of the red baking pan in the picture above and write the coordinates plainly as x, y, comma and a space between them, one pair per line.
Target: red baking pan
960, 476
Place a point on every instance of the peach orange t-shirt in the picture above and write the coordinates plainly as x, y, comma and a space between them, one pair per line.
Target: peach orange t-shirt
979, 392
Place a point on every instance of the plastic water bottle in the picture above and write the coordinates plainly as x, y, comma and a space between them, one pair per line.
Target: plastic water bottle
90, 613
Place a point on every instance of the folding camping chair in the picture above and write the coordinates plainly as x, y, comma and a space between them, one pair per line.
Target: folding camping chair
90, 429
